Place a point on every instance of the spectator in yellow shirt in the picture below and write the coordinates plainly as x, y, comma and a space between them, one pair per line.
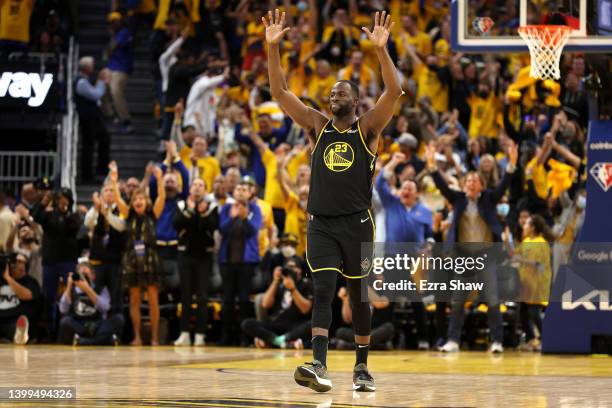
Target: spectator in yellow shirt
361, 74
484, 106
321, 84
410, 35
273, 192
432, 80
296, 220
267, 233
15, 25
201, 164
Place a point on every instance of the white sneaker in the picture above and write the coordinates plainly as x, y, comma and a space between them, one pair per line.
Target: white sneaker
496, 347
183, 340
450, 347
423, 345
21, 330
199, 340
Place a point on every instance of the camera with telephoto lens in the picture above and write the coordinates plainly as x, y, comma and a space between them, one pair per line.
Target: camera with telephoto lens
6, 258
288, 272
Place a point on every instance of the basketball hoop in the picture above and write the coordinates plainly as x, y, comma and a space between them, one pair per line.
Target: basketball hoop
545, 44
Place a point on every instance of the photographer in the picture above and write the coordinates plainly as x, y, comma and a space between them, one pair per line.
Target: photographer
85, 305
107, 242
60, 249
19, 294
196, 220
289, 298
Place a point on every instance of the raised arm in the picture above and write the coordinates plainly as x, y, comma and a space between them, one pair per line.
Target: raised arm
309, 119
160, 201
377, 118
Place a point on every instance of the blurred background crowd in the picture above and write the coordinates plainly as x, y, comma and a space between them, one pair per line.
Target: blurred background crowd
211, 239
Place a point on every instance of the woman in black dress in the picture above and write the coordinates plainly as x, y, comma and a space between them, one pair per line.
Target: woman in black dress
140, 263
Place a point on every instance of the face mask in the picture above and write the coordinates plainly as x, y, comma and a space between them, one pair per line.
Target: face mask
303, 204
302, 6
288, 251
432, 67
581, 203
483, 94
335, 51
503, 209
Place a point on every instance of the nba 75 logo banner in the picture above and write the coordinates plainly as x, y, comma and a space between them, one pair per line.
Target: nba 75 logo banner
602, 173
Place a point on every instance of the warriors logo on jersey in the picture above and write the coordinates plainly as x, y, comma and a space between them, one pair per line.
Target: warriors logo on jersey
338, 156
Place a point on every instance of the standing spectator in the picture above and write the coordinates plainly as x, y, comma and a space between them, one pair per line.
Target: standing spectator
411, 36
361, 74
175, 189
120, 63
289, 298
86, 305
15, 27
475, 220
91, 121
180, 76
60, 248
201, 164
7, 223
106, 245
196, 220
296, 221
239, 224
274, 193
201, 102
141, 263
406, 220
18, 300
535, 273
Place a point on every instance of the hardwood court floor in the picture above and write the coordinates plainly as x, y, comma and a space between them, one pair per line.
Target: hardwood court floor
235, 377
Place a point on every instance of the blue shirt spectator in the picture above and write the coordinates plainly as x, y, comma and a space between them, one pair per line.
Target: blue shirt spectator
121, 55
406, 219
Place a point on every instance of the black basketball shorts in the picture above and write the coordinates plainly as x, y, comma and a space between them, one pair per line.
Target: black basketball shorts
344, 244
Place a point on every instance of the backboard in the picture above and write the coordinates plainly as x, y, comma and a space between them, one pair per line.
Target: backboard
479, 26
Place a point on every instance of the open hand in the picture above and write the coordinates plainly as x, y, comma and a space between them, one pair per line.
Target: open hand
382, 28
274, 26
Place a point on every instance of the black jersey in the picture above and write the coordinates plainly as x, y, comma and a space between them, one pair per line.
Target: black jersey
342, 171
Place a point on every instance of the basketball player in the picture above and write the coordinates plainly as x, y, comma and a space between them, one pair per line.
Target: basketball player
343, 156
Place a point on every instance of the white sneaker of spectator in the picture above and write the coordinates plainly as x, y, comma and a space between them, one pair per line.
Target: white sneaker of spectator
496, 347
199, 340
183, 340
21, 330
450, 347
423, 345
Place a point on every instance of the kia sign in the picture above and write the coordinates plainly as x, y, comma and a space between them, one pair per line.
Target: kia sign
24, 87
583, 286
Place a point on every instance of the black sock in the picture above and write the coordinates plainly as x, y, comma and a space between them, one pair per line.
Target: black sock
319, 349
361, 350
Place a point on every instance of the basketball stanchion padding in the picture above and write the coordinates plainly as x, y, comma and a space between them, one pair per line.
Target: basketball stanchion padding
545, 44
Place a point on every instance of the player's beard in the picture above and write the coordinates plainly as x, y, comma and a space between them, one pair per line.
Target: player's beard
342, 111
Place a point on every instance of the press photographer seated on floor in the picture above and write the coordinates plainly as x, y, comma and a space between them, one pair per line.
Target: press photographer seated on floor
288, 299
85, 307
19, 295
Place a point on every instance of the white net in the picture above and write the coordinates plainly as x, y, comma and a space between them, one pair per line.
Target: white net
545, 46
